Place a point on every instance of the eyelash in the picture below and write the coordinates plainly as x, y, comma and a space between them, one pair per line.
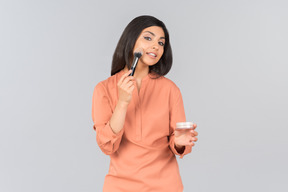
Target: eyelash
149, 39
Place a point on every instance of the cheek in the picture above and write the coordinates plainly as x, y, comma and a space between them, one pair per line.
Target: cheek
161, 53
140, 43
144, 46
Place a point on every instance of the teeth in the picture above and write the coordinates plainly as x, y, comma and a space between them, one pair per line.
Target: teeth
152, 54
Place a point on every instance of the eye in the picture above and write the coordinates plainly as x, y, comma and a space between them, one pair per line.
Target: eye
147, 38
161, 43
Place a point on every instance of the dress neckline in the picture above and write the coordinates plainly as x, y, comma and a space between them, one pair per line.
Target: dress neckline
148, 76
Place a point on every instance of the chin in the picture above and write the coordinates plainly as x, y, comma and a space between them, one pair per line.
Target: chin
149, 63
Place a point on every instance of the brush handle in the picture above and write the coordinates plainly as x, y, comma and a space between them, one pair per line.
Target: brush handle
134, 64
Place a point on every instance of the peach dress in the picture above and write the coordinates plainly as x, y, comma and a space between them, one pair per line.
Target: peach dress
142, 154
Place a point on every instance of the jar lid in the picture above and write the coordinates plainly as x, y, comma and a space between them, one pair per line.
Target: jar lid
183, 125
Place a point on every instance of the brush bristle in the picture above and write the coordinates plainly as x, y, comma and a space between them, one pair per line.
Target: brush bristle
138, 52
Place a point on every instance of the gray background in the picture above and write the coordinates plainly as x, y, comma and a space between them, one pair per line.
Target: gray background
230, 62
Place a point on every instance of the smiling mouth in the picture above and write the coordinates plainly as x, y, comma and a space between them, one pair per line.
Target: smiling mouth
152, 54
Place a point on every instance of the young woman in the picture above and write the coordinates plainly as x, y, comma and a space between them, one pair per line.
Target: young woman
135, 116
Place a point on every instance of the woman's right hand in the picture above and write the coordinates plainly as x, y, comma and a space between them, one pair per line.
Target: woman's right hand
125, 88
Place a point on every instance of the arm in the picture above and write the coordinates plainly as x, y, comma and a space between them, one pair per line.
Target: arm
107, 140
177, 114
108, 123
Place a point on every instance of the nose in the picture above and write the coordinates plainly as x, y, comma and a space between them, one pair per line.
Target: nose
155, 46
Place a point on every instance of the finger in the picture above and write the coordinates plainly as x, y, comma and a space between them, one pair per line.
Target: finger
193, 132
127, 79
195, 139
130, 89
125, 75
127, 86
194, 125
191, 143
192, 138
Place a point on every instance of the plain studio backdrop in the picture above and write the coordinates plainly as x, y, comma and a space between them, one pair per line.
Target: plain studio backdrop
230, 63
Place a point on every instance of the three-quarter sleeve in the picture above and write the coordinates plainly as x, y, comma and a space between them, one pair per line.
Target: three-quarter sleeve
177, 114
102, 111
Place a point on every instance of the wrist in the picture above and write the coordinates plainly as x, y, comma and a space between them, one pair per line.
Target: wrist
122, 104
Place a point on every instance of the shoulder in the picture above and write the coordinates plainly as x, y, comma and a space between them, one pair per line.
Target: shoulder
169, 84
171, 90
108, 84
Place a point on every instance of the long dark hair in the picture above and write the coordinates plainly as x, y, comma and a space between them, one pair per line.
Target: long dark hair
124, 50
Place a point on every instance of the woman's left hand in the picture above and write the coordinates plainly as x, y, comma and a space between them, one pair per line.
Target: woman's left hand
185, 137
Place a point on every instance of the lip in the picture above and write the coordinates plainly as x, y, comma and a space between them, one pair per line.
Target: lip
151, 55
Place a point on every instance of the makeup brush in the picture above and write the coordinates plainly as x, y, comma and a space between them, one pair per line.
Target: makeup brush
137, 54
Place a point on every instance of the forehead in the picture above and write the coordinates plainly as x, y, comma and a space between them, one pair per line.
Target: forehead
158, 31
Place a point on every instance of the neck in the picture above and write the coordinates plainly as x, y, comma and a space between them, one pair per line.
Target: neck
141, 71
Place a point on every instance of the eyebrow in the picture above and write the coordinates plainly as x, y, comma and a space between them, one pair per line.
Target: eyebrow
153, 34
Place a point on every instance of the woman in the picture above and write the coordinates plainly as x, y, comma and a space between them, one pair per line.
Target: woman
135, 116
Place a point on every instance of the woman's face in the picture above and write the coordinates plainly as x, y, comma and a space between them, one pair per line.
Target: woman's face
152, 41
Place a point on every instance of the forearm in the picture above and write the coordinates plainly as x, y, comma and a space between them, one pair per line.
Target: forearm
118, 117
